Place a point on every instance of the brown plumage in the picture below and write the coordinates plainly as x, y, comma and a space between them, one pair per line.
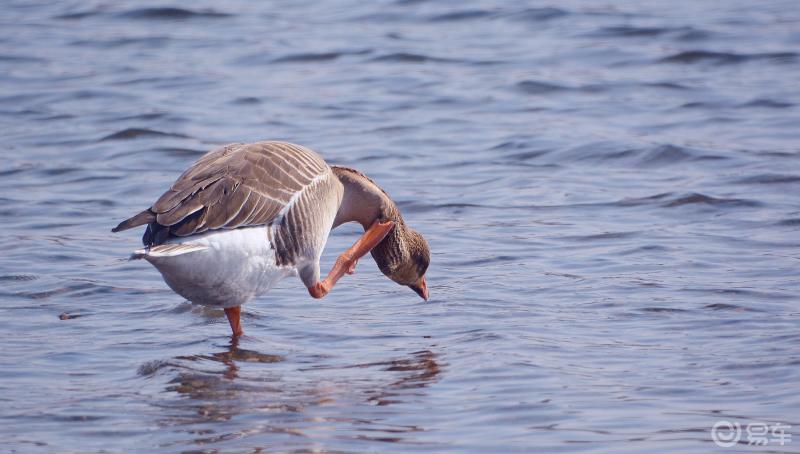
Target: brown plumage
403, 256
292, 199
238, 185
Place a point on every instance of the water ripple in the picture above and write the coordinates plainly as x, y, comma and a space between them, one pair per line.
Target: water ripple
410, 57
171, 13
628, 31
695, 198
608, 190
135, 133
728, 58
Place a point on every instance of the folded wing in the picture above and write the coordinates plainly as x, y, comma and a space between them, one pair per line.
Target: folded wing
235, 186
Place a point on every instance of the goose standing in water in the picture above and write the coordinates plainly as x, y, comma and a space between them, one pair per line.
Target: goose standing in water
247, 215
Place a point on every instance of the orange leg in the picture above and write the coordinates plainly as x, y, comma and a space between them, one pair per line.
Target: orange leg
346, 262
234, 318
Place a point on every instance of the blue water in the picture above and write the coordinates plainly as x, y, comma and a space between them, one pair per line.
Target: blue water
609, 190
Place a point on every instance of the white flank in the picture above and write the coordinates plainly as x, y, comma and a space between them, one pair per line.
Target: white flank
223, 268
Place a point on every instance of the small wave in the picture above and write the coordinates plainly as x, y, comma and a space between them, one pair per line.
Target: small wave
76, 418
246, 100
630, 31
627, 30
98, 94
702, 199
393, 129
77, 15
171, 13
724, 307
768, 103
52, 172
538, 14
512, 145
19, 277
745, 293
598, 152
694, 34
526, 149
602, 236
172, 80
770, 178
637, 201
661, 309
418, 207
535, 87
134, 133
609, 155
646, 249
177, 151
94, 202
527, 155
307, 58
20, 59
408, 57
666, 154
21, 167
317, 57
62, 116
486, 260
703, 105
261, 58
73, 289
372, 157
385, 16
792, 222
461, 16
144, 41
760, 365
633, 31
727, 58
667, 85
146, 116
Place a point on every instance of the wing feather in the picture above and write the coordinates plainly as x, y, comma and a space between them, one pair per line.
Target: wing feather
234, 186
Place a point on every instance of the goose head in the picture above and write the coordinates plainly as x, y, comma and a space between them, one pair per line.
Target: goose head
403, 256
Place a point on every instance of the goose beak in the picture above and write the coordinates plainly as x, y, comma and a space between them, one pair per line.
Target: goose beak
421, 288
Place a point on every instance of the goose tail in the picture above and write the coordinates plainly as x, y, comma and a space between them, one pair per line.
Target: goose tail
166, 250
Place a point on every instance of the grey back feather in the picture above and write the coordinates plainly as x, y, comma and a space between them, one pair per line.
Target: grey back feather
238, 185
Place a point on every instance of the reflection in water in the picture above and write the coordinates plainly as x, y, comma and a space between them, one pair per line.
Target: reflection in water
322, 399
422, 370
233, 354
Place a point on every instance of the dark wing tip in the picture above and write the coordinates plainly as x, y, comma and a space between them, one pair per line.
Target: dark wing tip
145, 217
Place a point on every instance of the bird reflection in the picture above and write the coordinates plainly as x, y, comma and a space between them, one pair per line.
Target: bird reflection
422, 370
288, 399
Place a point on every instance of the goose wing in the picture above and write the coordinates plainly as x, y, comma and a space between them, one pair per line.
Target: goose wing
234, 186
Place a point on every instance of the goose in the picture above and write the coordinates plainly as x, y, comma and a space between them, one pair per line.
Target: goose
245, 216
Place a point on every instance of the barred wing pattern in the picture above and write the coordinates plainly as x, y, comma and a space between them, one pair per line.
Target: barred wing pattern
283, 185
236, 186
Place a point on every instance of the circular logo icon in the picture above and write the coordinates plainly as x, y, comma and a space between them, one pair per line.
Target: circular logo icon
726, 434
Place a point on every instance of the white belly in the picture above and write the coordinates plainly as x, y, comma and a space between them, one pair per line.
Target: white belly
236, 266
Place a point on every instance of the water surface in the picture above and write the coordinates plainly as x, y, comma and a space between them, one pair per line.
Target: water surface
609, 190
